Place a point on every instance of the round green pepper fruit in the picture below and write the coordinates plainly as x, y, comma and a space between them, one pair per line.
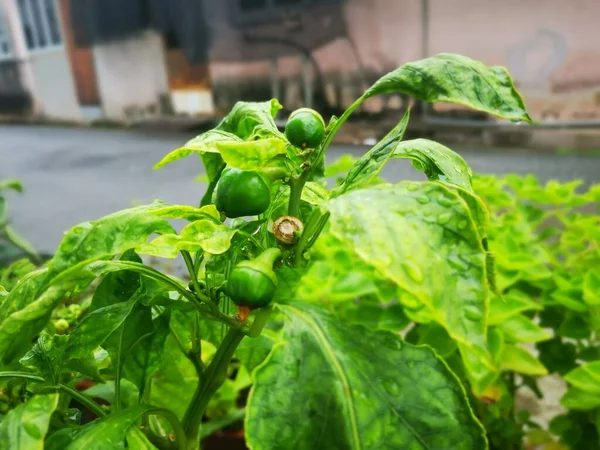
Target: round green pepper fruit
241, 193
252, 283
305, 128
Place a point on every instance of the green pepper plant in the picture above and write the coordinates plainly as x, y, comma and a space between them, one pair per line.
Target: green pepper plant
280, 300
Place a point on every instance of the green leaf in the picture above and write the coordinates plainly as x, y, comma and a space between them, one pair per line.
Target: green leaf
47, 357
520, 360
580, 400
25, 427
451, 78
136, 440
204, 143
591, 288
19, 328
251, 155
96, 327
144, 358
11, 183
252, 352
18, 240
107, 432
511, 304
175, 381
557, 355
421, 236
437, 161
245, 117
519, 328
368, 166
574, 326
341, 165
359, 389
117, 287
199, 235
23, 293
127, 229
586, 377
245, 155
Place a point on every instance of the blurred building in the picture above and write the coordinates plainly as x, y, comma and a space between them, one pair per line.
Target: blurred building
134, 60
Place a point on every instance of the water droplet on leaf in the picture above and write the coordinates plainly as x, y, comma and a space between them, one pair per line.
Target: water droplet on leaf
444, 218
413, 272
423, 199
473, 314
391, 387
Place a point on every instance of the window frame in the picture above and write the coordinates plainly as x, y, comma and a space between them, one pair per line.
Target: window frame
45, 31
5, 36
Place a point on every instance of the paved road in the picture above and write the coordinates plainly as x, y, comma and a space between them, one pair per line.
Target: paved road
72, 175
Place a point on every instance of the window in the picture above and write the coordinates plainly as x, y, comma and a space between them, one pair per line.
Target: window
40, 24
5, 43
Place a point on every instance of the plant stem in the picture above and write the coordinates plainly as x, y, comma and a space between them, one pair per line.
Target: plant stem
214, 376
295, 193
189, 263
79, 396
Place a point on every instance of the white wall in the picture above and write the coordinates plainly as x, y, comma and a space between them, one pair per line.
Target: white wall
54, 87
131, 76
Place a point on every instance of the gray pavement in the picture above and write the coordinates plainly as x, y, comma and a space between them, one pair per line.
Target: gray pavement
72, 175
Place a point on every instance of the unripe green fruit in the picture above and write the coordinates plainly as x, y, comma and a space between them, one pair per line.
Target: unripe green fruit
240, 193
252, 283
305, 128
61, 325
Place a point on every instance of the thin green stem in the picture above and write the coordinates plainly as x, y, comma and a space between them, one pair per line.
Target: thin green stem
178, 431
79, 396
338, 124
296, 186
214, 377
189, 263
83, 399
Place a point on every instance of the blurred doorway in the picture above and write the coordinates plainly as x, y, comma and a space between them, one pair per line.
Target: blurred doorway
82, 67
189, 83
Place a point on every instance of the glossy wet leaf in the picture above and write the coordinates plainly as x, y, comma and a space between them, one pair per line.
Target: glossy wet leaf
144, 358
203, 143
121, 231
520, 328
23, 293
245, 117
206, 235
422, 237
97, 326
136, 440
126, 229
578, 399
519, 360
47, 357
510, 305
245, 155
252, 352
451, 78
117, 287
586, 377
368, 166
360, 389
107, 432
19, 328
25, 427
